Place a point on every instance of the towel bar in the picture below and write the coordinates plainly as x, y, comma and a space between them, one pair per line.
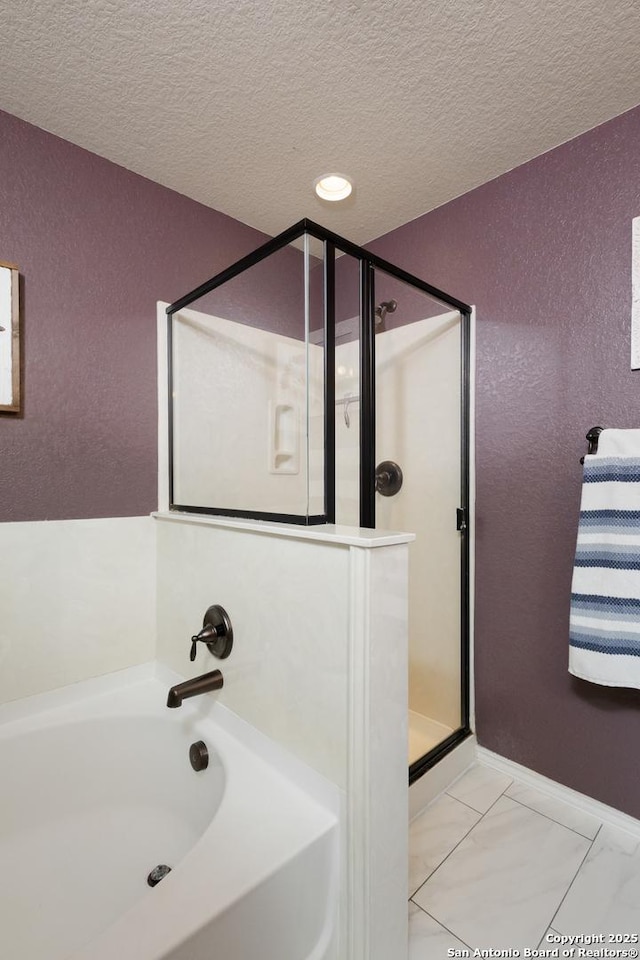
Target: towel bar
593, 436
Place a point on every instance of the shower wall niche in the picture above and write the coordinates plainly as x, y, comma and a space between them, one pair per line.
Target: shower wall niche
294, 375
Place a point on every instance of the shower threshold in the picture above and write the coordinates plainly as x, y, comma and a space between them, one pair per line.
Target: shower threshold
424, 735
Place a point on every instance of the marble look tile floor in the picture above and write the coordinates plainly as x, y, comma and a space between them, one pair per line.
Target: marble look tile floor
495, 863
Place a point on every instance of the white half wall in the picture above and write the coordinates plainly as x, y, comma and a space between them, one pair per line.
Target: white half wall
319, 665
288, 603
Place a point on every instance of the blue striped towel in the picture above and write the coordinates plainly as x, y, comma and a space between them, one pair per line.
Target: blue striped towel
604, 630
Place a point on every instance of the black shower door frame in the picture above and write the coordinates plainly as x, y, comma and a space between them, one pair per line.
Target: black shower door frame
368, 264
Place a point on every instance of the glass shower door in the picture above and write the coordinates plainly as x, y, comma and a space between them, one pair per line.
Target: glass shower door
420, 488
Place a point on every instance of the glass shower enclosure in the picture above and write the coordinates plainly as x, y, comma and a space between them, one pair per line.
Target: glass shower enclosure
313, 382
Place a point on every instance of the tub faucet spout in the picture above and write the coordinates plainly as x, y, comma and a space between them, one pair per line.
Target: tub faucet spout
191, 688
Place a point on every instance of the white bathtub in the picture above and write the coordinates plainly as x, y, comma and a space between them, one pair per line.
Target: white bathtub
97, 789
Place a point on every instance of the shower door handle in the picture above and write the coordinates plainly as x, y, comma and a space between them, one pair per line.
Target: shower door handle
388, 479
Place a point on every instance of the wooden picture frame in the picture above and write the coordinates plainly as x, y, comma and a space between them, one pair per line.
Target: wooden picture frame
9, 338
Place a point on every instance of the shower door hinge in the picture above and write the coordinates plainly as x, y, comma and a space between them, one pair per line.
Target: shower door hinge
461, 519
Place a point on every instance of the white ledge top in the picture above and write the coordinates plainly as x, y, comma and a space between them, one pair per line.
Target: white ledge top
323, 532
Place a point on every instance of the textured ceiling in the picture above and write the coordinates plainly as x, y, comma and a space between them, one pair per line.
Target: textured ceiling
241, 104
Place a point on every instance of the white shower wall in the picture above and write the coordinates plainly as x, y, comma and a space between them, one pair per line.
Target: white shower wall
417, 425
77, 600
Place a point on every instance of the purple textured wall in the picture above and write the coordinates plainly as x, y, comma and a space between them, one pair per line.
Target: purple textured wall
97, 247
544, 252
412, 303
269, 295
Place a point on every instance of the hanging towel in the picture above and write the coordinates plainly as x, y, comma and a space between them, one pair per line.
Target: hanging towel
604, 632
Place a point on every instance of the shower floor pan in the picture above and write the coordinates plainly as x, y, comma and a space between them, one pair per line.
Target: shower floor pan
424, 735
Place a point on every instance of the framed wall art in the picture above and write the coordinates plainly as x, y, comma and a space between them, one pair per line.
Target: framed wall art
9, 339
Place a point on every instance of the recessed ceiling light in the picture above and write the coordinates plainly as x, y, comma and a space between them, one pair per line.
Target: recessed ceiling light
333, 186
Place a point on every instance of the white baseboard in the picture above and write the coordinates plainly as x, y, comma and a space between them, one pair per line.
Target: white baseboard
602, 812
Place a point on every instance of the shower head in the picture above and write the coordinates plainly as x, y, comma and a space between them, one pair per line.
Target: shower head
387, 306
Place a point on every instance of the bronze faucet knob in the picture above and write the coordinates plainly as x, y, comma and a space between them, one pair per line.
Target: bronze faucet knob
216, 632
